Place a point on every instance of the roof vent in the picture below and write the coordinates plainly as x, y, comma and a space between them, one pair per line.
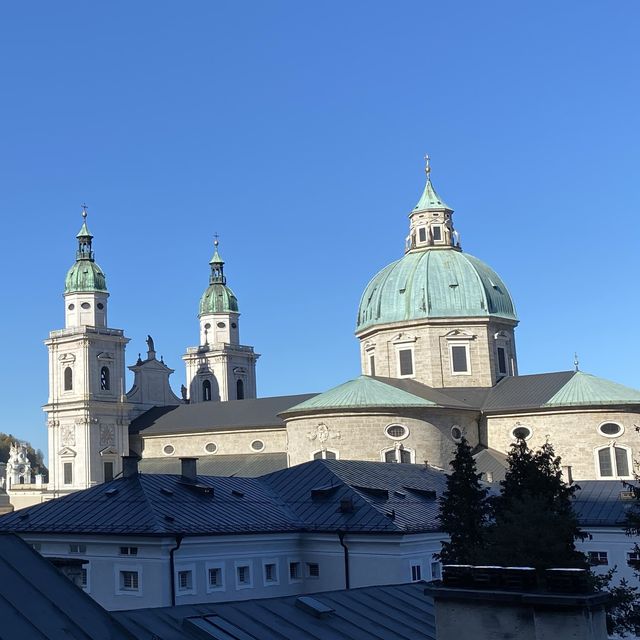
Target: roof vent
314, 607
399, 494
189, 469
320, 492
23, 516
110, 492
169, 518
428, 494
374, 492
346, 505
166, 492
627, 495
237, 494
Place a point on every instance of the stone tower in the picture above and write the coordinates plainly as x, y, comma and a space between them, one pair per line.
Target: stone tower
86, 410
438, 315
220, 368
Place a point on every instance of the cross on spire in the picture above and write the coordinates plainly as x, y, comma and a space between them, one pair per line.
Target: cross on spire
215, 239
427, 164
84, 210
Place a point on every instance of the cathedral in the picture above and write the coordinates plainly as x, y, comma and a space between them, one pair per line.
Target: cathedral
438, 357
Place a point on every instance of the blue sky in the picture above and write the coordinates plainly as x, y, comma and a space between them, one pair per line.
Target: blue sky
296, 131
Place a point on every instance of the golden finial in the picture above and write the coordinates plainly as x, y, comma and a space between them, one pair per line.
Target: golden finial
427, 165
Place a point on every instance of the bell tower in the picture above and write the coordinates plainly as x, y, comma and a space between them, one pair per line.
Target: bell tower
220, 368
86, 409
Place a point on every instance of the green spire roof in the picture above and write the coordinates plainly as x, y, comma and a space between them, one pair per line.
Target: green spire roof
585, 389
361, 393
216, 257
430, 199
218, 298
85, 274
84, 231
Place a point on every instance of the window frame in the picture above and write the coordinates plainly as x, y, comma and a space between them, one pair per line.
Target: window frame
398, 454
219, 566
297, 578
415, 570
614, 463
308, 570
598, 558
608, 435
246, 564
67, 466
119, 570
411, 350
456, 345
188, 571
67, 380
323, 455
274, 563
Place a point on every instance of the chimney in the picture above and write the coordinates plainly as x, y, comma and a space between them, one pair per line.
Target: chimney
129, 466
568, 475
514, 602
189, 468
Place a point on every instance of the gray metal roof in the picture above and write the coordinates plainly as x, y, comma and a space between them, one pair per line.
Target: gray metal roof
385, 497
441, 397
490, 461
38, 602
216, 416
399, 612
602, 503
245, 465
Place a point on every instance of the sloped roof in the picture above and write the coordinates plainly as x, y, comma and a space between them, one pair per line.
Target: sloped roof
360, 393
393, 498
601, 503
215, 416
397, 612
491, 463
37, 601
430, 199
586, 389
243, 465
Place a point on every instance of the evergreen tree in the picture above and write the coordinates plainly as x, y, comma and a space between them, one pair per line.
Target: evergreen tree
533, 519
463, 510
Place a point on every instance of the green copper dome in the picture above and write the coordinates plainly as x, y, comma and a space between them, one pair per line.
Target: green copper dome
218, 298
435, 283
85, 275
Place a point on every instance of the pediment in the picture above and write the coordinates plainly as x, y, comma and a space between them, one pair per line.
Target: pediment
403, 337
109, 451
67, 358
67, 452
460, 334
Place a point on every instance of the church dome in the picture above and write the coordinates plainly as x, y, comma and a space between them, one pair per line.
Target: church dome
434, 283
434, 279
85, 275
218, 298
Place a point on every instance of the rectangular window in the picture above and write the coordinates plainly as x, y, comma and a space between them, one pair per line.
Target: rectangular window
129, 581
459, 359
633, 559
128, 551
294, 571
270, 572
406, 362
313, 570
67, 469
243, 573
372, 365
416, 573
604, 461
108, 471
598, 558
74, 547
215, 577
502, 361
436, 230
84, 578
185, 580
622, 461
422, 234
436, 573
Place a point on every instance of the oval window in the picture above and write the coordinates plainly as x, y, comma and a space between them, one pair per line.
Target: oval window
610, 429
211, 447
234, 325
221, 325
85, 305
169, 449
100, 305
71, 307
396, 431
257, 445
521, 433
456, 433
207, 326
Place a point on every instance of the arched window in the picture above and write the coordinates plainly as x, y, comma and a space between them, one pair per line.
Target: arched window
397, 454
105, 379
68, 379
325, 454
206, 390
240, 390
613, 462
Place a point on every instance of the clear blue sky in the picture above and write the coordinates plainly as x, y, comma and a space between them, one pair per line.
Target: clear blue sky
296, 130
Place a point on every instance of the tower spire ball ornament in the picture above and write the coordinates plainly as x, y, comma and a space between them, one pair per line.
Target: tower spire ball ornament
84, 210
427, 165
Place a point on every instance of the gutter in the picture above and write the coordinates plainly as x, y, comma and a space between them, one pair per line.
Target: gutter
346, 559
172, 581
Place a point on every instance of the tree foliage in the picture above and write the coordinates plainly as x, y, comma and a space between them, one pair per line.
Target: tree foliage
534, 523
36, 457
463, 510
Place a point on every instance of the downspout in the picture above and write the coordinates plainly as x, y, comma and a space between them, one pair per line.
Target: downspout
172, 581
346, 559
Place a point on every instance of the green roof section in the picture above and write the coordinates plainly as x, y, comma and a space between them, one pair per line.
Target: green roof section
430, 199
216, 258
586, 389
434, 283
361, 393
218, 298
85, 275
84, 231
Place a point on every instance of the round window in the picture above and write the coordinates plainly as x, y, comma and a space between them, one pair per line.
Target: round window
207, 326
169, 449
221, 325
100, 305
456, 433
521, 433
211, 447
610, 429
234, 325
85, 305
257, 445
71, 307
396, 431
